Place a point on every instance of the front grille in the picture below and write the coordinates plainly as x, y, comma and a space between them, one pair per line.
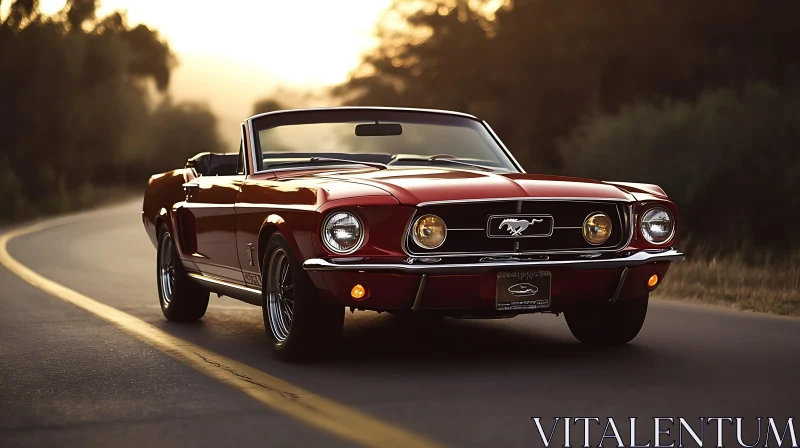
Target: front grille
467, 227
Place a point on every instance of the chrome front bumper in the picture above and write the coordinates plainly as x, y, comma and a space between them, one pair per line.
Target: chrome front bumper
415, 265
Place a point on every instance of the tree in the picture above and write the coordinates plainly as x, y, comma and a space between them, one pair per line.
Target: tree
730, 160
265, 105
535, 68
76, 103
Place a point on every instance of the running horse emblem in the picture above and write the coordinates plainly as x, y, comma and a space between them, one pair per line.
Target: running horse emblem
517, 226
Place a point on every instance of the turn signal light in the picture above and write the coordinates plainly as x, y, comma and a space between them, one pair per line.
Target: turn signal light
652, 281
359, 292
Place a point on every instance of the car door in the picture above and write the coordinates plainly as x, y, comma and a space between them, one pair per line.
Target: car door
210, 205
264, 200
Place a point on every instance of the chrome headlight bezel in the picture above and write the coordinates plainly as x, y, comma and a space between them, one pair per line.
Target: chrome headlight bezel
642, 222
324, 232
414, 233
586, 221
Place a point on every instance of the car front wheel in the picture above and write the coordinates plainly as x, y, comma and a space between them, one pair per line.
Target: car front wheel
607, 324
300, 325
182, 300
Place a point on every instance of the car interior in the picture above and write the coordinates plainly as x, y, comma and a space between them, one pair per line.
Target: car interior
216, 164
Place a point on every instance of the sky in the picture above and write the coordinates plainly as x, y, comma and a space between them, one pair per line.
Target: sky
233, 52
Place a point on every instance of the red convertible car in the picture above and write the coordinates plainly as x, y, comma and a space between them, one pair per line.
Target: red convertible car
417, 212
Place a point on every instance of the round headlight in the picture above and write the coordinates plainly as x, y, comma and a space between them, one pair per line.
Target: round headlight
597, 228
342, 232
657, 225
429, 231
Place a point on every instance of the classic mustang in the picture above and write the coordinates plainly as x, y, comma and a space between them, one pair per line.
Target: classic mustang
414, 212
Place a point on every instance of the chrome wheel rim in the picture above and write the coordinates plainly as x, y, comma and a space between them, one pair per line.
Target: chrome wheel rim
280, 295
166, 269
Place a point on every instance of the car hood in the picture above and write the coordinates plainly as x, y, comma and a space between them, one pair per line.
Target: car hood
413, 186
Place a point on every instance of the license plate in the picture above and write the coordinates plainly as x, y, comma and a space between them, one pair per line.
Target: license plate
523, 290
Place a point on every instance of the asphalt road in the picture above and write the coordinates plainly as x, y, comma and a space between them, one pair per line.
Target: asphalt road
68, 378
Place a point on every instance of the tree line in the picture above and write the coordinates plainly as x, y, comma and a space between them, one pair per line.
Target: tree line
700, 97
85, 104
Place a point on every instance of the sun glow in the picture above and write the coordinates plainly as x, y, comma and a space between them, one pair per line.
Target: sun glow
235, 52
297, 43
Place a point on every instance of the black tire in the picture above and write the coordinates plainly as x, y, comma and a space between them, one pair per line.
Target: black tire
314, 326
181, 299
607, 324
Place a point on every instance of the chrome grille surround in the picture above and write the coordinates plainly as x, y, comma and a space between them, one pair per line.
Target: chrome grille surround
476, 227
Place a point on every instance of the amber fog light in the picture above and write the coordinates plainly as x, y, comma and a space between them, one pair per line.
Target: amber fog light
429, 231
597, 228
652, 281
359, 292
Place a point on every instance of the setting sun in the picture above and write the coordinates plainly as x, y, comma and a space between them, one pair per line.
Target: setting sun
302, 44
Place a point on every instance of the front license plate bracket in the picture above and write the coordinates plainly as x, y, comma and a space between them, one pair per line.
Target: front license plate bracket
523, 290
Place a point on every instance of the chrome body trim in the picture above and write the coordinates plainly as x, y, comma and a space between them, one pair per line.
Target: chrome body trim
636, 259
222, 287
630, 220
620, 284
250, 249
420, 291
252, 140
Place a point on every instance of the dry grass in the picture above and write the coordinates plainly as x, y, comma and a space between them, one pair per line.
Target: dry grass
741, 280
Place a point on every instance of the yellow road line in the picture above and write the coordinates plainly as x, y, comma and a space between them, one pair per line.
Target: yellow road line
337, 419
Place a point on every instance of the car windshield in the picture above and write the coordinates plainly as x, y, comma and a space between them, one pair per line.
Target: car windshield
379, 137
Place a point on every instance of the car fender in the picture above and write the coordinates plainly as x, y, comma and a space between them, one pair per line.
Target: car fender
162, 194
273, 223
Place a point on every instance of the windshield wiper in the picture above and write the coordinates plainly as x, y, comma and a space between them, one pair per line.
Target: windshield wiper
379, 166
447, 158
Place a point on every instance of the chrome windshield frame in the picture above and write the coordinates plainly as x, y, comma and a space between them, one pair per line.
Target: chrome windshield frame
253, 139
